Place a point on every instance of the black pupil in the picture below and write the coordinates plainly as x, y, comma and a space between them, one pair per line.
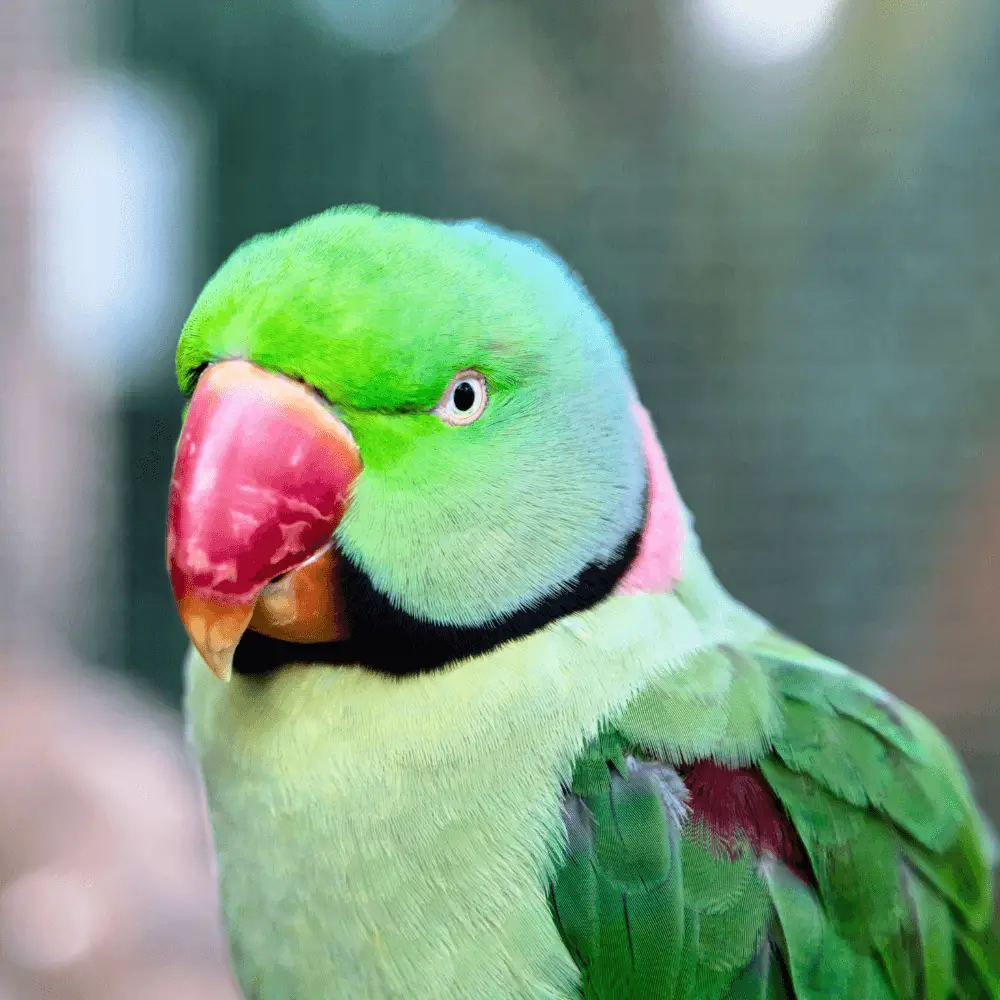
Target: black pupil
464, 396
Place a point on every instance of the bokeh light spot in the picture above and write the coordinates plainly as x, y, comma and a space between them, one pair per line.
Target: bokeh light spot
49, 919
766, 31
114, 224
385, 26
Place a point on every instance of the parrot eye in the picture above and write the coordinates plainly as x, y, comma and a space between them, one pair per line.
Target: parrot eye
464, 400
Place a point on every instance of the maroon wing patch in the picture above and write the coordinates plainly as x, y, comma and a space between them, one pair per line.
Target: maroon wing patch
737, 806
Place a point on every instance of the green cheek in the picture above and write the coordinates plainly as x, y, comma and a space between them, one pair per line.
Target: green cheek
385, 438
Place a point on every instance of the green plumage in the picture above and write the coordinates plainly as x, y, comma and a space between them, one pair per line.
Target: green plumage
902, 902
528, 824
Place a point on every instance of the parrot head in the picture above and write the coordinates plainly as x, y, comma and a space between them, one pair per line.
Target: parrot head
405, 443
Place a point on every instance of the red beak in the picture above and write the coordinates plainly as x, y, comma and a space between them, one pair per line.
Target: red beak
261, 480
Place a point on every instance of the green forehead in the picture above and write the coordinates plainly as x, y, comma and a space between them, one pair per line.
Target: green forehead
379, 310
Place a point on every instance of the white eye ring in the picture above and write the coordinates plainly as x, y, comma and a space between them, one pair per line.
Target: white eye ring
464, 400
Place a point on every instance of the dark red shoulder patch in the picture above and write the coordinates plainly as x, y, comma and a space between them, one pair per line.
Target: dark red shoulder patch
737, 806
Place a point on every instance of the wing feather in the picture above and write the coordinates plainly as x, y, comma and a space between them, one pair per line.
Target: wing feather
845, 857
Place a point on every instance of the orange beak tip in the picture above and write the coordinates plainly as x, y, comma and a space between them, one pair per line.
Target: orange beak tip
220, 665
215, 629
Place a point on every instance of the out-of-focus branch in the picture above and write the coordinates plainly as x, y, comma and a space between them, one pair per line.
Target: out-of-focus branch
57, 446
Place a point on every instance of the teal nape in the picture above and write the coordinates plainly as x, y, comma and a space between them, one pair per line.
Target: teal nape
609, 779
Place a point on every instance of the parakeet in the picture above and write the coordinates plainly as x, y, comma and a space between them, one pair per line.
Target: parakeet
475, 718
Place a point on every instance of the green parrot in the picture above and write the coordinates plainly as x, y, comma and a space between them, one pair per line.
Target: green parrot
474, 717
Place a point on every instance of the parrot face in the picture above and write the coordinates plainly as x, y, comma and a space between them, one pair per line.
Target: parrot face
406, 443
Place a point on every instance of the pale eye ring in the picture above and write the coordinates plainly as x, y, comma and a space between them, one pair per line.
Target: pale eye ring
464, 400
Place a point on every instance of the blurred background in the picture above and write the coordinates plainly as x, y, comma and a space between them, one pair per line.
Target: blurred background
788, 209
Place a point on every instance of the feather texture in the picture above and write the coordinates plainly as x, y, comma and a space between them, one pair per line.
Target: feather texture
830, 846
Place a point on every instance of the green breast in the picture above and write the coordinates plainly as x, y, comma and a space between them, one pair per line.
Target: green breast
383, 838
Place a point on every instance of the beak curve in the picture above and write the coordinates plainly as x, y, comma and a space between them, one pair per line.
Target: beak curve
262, 477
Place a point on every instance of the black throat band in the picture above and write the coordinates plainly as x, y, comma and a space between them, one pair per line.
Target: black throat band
392, 641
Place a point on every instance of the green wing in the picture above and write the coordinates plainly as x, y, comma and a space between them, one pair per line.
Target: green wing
882, 888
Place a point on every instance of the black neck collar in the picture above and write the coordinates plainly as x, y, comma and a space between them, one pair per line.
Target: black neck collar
391, 641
